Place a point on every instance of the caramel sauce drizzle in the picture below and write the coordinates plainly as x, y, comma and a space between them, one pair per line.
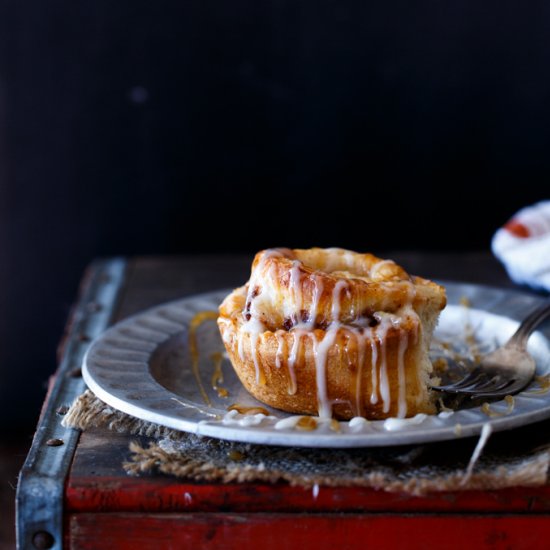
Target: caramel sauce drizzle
486, 408
440, 365
217, 375
196, 322
334, 425
310, 423
243, 409
544, 385
307, 423
472, 343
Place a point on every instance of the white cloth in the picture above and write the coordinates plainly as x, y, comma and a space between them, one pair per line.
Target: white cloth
523, 246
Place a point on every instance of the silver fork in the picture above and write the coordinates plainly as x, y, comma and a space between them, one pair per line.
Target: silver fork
505, 371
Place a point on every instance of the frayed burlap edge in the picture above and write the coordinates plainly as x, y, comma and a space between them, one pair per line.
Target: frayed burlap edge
88, 411
179, 458
529, 473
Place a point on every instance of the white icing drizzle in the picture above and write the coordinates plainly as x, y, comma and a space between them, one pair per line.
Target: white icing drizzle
234, 418
357, 423
381, 334
297, 336
374, 360
361, 343
320, 352
287, 423
313, 311
295, 285
253, 327
392, 424
292, 422
486, 431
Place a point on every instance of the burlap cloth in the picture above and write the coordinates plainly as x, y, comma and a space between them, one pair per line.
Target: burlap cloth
516, 458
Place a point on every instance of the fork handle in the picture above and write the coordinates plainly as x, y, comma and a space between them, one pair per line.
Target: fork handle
529, 324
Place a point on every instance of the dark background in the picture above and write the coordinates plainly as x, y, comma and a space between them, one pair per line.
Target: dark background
201, 126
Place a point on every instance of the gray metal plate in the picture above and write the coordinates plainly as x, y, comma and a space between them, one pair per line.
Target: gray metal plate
142, 366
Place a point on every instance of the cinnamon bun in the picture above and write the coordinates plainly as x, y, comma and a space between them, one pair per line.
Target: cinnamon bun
333, 332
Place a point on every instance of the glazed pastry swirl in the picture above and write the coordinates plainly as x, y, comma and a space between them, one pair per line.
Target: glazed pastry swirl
332, 332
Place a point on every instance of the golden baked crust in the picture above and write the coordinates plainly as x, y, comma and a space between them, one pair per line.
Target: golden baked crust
333, 332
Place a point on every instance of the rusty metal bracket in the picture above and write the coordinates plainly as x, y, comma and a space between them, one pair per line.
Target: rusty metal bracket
39, 499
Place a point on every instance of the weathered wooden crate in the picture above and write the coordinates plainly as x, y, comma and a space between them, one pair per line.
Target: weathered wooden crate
73, 492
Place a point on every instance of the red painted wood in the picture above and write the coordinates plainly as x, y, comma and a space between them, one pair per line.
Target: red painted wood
301, 532
153, 495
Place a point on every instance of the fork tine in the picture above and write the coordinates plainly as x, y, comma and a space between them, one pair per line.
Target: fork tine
502, 385
487, 389
510, 390
466, 381
485, 383
475, 383
505, 371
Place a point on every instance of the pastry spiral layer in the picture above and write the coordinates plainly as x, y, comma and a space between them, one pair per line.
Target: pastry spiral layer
334, 333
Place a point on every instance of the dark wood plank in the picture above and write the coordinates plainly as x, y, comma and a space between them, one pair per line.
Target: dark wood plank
152, 281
